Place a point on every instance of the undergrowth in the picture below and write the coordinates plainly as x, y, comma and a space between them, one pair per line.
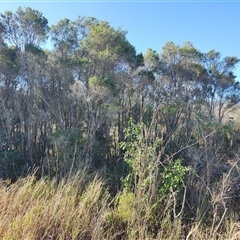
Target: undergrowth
82, 208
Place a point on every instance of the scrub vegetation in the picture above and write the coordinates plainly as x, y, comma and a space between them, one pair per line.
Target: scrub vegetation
100, 142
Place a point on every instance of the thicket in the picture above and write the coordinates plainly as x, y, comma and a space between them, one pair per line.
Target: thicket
156, 134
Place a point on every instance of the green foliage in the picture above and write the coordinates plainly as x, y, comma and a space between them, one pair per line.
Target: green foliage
137, 155
81, 61
189, 51
12, 165
141, 159
8, 59
172, 175
97, 82
33, 49
169, 109
148, 74
26, 26
107, 44
139, 60
94, 82
126, 206
151, 58
66, 35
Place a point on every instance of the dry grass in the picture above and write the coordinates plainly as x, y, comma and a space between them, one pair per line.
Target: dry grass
80, 209
45, 210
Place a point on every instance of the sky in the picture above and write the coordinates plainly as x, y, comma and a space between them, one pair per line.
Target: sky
150, 24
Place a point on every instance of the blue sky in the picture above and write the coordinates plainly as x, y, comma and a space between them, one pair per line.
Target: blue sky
150, 24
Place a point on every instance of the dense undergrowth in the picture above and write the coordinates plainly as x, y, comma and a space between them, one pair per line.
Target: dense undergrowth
158, 197
81, 207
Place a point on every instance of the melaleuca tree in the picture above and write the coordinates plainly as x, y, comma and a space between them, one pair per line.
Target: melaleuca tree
23, 32
66, 36
175, 93
221, 87
25, 26
107, 48
144, 80
107, 53
62, 94
10, 144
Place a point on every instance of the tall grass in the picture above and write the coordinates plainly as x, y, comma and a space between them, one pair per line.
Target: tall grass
45, 209
81, 208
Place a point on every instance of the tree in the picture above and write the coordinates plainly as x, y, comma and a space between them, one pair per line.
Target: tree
107, 53
26, 26
22, 33
220, 82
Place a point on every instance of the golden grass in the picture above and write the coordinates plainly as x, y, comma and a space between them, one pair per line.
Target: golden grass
78, 209
45, 210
